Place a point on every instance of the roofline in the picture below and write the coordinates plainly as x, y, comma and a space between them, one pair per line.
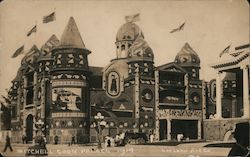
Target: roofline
169, 64
230, 62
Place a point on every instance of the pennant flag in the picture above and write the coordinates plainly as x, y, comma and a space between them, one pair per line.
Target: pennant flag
226, 50
132, 18
52, 42
7, 100
32, 50
33, 30
181, 27
49, 18
3, 107
18, 52
236, 54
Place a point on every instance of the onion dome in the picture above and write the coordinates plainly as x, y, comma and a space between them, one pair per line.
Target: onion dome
128, 31
140, 50
187, 56
71, 37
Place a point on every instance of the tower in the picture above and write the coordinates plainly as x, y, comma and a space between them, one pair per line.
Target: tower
125, 37
70, 93
189, 60
141, 69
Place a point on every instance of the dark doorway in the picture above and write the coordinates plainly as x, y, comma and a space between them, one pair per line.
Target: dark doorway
29, 127
163, 129
189, 128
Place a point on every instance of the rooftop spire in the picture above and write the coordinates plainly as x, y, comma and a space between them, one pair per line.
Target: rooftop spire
71, 36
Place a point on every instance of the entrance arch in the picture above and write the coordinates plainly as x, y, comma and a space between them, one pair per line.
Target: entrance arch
29, 127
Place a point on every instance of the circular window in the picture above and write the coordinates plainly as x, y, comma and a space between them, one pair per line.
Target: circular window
147, 95
195, 98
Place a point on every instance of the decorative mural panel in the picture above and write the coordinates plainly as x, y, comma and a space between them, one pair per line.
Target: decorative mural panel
70, 59
71, 83
147, 95
174, 113
113, 84
213, 90
67, 99
195, 98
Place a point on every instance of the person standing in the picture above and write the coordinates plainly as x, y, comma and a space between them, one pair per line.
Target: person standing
56, 139
24, 139
73, 140
151, 137
7, 144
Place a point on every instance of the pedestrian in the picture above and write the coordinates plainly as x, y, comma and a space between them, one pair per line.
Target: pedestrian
151, 137
73, 140
241, 136
24, 139
56, 139
108, 140
7, 144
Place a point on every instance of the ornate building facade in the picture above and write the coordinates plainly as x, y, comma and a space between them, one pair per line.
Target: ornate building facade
56, 85
228, 96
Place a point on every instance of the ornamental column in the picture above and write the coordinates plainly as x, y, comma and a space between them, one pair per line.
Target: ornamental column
35, 92
186, 82
199, 129
25, 83
168, 129
157, 124
137, 96
218, 96
43, 98
245, 91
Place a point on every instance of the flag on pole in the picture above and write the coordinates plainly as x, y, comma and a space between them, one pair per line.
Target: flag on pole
226, 50
132, 18
52, 42
181, 27
49, 18
33, 30
32, 50
7, 100
18, 52
236, 54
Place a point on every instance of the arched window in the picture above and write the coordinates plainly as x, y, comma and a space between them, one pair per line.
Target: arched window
123, 47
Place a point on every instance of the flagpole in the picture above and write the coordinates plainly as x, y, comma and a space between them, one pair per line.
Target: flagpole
1, 120
185, 32
36, 32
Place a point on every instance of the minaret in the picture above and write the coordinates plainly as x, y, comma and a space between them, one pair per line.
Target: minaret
70, 93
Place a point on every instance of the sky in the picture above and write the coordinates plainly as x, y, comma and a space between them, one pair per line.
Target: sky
211, 25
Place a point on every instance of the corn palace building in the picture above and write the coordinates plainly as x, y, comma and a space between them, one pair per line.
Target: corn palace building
55, 84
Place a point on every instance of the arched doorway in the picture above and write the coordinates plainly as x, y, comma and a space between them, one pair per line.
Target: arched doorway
29, 127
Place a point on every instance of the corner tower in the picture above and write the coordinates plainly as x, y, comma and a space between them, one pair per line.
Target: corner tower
70, 93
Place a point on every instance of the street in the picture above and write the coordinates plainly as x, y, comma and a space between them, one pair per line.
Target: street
182, 150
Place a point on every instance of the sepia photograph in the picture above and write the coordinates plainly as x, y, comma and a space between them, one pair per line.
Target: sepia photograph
124, 78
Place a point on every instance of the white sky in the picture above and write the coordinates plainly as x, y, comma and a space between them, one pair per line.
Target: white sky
211, 25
